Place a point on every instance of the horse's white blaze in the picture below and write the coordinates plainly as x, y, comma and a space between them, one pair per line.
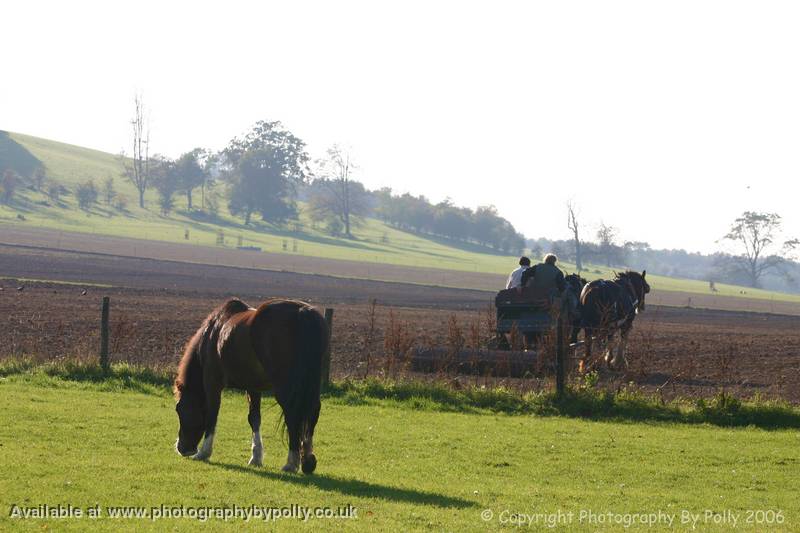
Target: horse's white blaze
205, 449
257, 457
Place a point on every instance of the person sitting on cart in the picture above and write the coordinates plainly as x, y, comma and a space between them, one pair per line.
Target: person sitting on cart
515, 279
545, 276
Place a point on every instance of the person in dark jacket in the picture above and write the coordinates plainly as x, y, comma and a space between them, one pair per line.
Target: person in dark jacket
545, 275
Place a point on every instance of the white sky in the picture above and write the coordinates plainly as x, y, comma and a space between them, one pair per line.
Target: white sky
665, 119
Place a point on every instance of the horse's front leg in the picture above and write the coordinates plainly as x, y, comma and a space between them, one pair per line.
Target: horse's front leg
609, 350
213, 400
623, 344
254, 417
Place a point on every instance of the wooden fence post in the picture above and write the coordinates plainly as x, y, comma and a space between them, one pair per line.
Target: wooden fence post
560, 363
326, 357
104, 334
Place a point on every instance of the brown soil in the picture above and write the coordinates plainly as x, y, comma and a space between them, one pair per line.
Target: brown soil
104, 245
157, 305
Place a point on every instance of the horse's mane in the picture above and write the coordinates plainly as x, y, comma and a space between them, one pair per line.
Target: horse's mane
209, 329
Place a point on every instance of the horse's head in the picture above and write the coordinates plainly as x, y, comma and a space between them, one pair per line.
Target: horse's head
575, 282
639, 285
192, 418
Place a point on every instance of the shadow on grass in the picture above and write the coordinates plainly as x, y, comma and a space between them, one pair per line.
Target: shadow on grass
354, 487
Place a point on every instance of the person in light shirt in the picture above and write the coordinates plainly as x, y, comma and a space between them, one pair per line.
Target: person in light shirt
515, 279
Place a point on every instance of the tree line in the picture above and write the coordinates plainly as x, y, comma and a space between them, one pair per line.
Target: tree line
757, 256
483, 226
264, 172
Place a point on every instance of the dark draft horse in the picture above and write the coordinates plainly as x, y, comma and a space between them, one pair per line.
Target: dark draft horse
608, 306
574, 285
276, 347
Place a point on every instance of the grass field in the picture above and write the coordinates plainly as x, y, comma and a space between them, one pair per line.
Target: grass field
374, 241
403, 464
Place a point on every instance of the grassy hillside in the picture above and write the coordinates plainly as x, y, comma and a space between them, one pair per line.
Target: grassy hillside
403, 466
374, 241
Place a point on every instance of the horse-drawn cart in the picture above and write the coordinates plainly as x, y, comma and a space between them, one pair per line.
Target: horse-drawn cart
529, 312
524, 317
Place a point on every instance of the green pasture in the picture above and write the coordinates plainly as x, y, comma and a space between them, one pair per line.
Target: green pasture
374, 241
404, 463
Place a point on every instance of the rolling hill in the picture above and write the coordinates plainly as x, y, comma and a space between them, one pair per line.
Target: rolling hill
373, 241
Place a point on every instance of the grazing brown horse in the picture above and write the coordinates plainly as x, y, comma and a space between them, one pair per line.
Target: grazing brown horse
608, 306
276, 347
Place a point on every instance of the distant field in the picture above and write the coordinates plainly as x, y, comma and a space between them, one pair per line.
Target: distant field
403, 466
375, 242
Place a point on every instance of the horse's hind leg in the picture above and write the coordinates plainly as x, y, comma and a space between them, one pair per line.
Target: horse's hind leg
623, 344
254, 417
309, 460
609, 350
293, 427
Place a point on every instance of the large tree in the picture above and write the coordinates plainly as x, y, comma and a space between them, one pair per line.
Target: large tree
606, 237
756, 235
334, 193
166, 180
191, 172
258, 185
264, 168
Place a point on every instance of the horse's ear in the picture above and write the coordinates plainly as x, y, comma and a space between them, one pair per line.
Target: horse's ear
644, 273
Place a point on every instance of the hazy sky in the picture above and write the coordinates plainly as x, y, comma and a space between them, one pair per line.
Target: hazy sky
665, 119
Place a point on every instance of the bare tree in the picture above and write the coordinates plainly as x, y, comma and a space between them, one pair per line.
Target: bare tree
573, 225
138, 172
336, 194
756, 233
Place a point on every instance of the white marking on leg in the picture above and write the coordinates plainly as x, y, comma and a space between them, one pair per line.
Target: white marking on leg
292, 462
308, 447
257, 457
205, 450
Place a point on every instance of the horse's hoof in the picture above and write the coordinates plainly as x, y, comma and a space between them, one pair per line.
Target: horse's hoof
200, 457
289, 468
309, 464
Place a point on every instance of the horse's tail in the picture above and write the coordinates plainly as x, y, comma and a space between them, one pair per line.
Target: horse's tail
306, 370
